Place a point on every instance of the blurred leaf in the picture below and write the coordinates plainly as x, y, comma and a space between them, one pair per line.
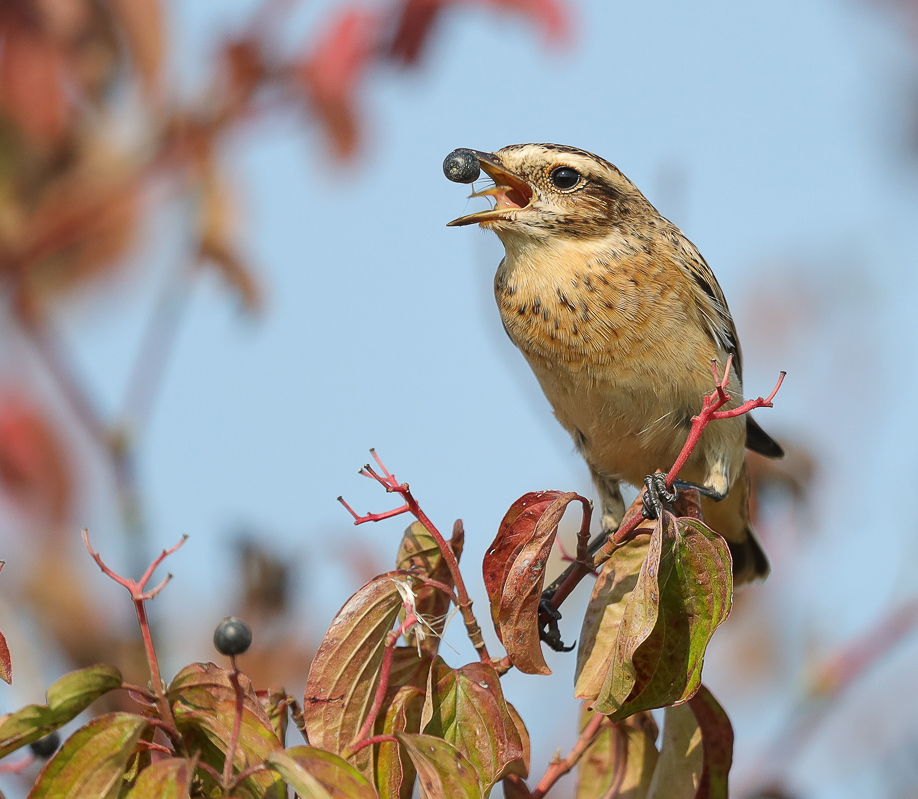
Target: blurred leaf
466, 707
332, 73
419, 554
678, 771
142, 24
67, 697
34, 467
338, 778
32, 72
717, 744
620, 761
343, 677
165, 779
395, 773
443, 771
92, 760
514, 572
683, 593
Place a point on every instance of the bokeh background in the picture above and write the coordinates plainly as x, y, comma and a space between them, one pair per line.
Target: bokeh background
226, 274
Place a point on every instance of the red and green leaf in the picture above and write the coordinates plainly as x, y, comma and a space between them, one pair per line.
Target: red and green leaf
443, 771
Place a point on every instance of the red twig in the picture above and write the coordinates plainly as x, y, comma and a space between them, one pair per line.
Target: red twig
18, 766
376, 739
558, 768
710, 410
387, 480
139, 597
391, 638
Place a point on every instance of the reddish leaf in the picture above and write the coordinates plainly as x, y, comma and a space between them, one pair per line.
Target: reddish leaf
92, 760
516, 528
514, 569
6, 661
67, 697
620, 761
336, 776
520, 767
34, 467
332, 73
717, 745
466, 708
166, 779
343, 677
275, 702
395, 773
443, 771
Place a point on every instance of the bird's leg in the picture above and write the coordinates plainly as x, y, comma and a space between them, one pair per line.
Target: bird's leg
710, 493
657, 495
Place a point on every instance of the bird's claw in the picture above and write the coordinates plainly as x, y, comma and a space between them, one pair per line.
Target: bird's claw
657, 495
549, 632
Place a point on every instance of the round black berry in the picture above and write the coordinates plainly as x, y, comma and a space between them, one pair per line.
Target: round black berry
564, 177
232, 636
461, 166
47, 746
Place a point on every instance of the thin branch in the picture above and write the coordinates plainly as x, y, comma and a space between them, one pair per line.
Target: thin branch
237, 724
558, 768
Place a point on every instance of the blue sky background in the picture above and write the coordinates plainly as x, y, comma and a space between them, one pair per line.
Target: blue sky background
776, 136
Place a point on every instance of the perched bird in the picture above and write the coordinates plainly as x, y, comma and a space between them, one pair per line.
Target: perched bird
620, 319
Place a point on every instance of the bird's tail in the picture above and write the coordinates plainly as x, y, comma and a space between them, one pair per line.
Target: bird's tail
730, 518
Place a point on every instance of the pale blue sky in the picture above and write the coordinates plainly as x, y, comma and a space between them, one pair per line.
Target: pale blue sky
773, 134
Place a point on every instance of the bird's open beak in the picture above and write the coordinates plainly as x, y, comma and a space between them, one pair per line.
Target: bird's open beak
509, 192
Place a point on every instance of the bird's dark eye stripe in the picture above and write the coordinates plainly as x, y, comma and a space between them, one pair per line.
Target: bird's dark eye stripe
564, 177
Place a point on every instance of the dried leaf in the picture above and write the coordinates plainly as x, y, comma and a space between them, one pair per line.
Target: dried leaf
678, 771
6, 661
338, 778
343, 676
420, 554
92, 760
166, 779
517, 595
67, 697
717, 745
275, 702
619, 762
683, 593
443, 771
466, 707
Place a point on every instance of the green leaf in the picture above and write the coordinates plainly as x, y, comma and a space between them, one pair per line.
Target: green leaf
678, 771
92, 760
165, 779
466, 707
338, 778
717, 744
305, 785
682, 594
344, 673
395, 773
67, 697
621, 757
443, 771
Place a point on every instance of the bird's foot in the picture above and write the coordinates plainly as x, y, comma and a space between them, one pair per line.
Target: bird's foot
549, 616
657, 496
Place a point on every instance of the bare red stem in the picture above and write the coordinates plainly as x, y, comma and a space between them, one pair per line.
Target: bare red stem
558, 768
387, 480
237, 724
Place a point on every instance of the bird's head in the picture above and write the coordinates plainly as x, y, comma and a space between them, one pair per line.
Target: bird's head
549, 190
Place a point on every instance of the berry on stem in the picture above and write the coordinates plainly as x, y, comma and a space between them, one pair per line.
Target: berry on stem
232, 636
461, 166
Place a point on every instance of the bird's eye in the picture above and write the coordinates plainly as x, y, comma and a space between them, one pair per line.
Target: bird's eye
563, 177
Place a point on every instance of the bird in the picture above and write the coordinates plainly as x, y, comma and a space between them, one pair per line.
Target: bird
620, 318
